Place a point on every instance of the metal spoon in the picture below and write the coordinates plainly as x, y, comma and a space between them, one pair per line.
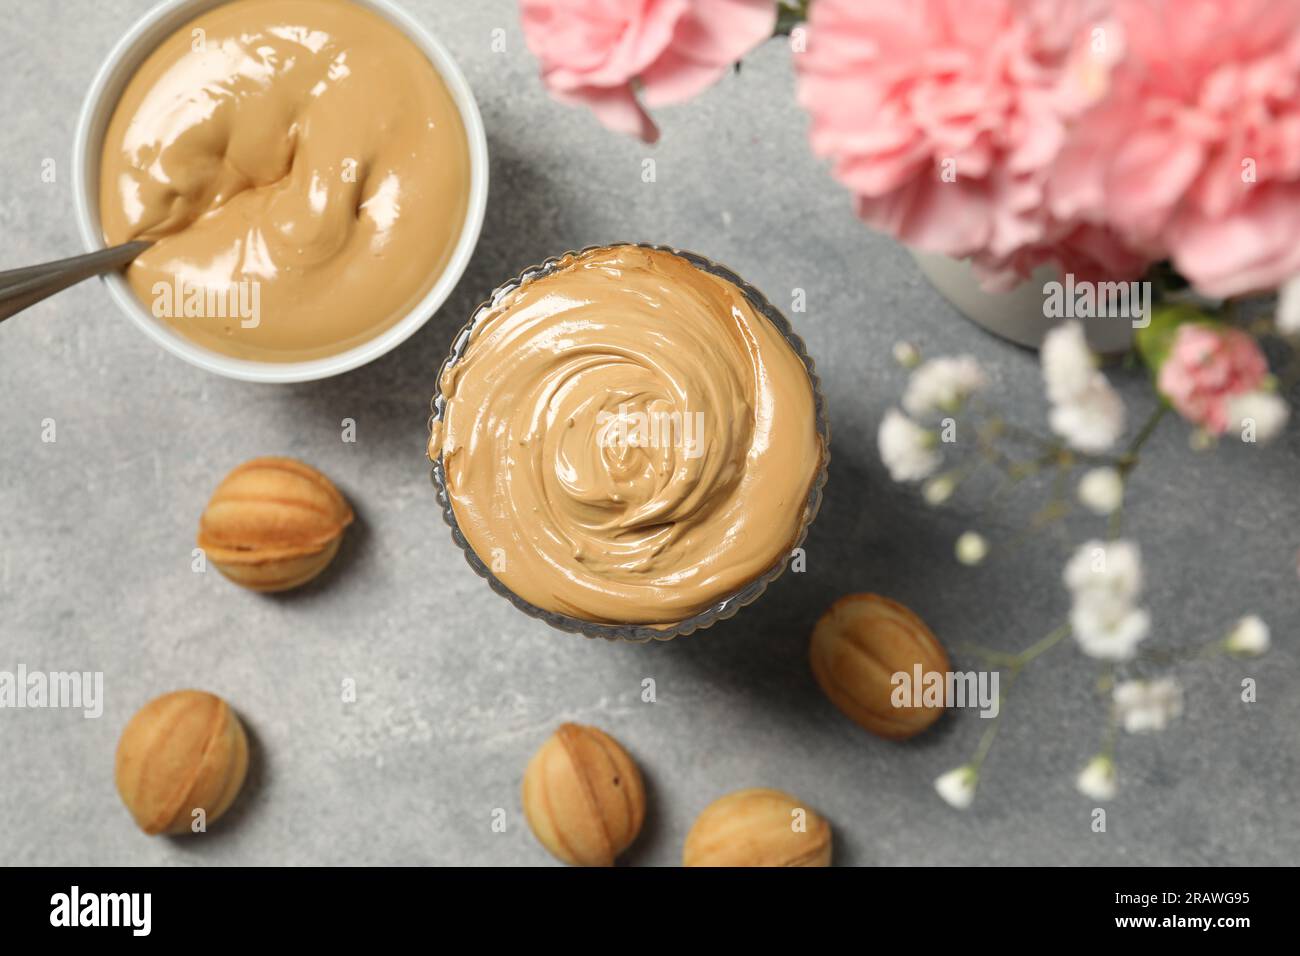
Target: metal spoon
20, 288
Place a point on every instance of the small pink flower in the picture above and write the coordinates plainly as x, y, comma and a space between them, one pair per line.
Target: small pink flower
1208, 367
944, 118
1195, 152
593, 51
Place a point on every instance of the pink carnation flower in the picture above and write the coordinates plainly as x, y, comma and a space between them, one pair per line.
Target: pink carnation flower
593, 51
906, 96
1208, 367
1195, 152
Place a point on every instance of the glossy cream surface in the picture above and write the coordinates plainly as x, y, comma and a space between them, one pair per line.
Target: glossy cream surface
300, 155
627, 440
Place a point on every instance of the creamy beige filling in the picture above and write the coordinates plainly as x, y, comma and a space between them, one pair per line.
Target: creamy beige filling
304, 171
626, 440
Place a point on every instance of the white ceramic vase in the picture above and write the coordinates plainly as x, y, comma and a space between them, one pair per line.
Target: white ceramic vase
1018, 315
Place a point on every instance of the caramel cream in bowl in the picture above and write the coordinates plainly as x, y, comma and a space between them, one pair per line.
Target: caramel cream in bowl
313, 174
629, 441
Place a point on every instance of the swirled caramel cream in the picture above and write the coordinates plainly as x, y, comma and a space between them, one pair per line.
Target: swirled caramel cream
303, 169
627, 440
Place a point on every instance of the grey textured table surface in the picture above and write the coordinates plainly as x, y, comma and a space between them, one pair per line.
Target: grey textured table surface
456, 689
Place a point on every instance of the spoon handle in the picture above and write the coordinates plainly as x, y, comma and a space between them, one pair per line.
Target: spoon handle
20, 288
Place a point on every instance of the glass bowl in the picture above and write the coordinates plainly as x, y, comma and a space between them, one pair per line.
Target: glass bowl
722, 609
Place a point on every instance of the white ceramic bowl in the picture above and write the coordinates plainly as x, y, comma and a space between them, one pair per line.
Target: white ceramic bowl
127, 56
1016, 315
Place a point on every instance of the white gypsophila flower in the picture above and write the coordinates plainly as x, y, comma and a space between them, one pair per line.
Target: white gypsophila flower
1263, 414
1067, 362
1108, 631
1098, 779
938, 490
971, 548
1104, 579
1092, 420
942, 384
1086, 411
1288, 308
1148, 705
1249, 637
957, 787
1101, 490
907, 355
1109, 570
907, 449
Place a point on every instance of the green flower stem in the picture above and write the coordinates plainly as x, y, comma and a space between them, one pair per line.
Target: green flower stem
1034, 651
791, 13
1055, 455
965, 471
1015, 664
995, 456
988, 655
1112, 735
1177, 656
1129, 461
1025, 435
1116, 527
1054, 512
1014, 472
1105, 685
